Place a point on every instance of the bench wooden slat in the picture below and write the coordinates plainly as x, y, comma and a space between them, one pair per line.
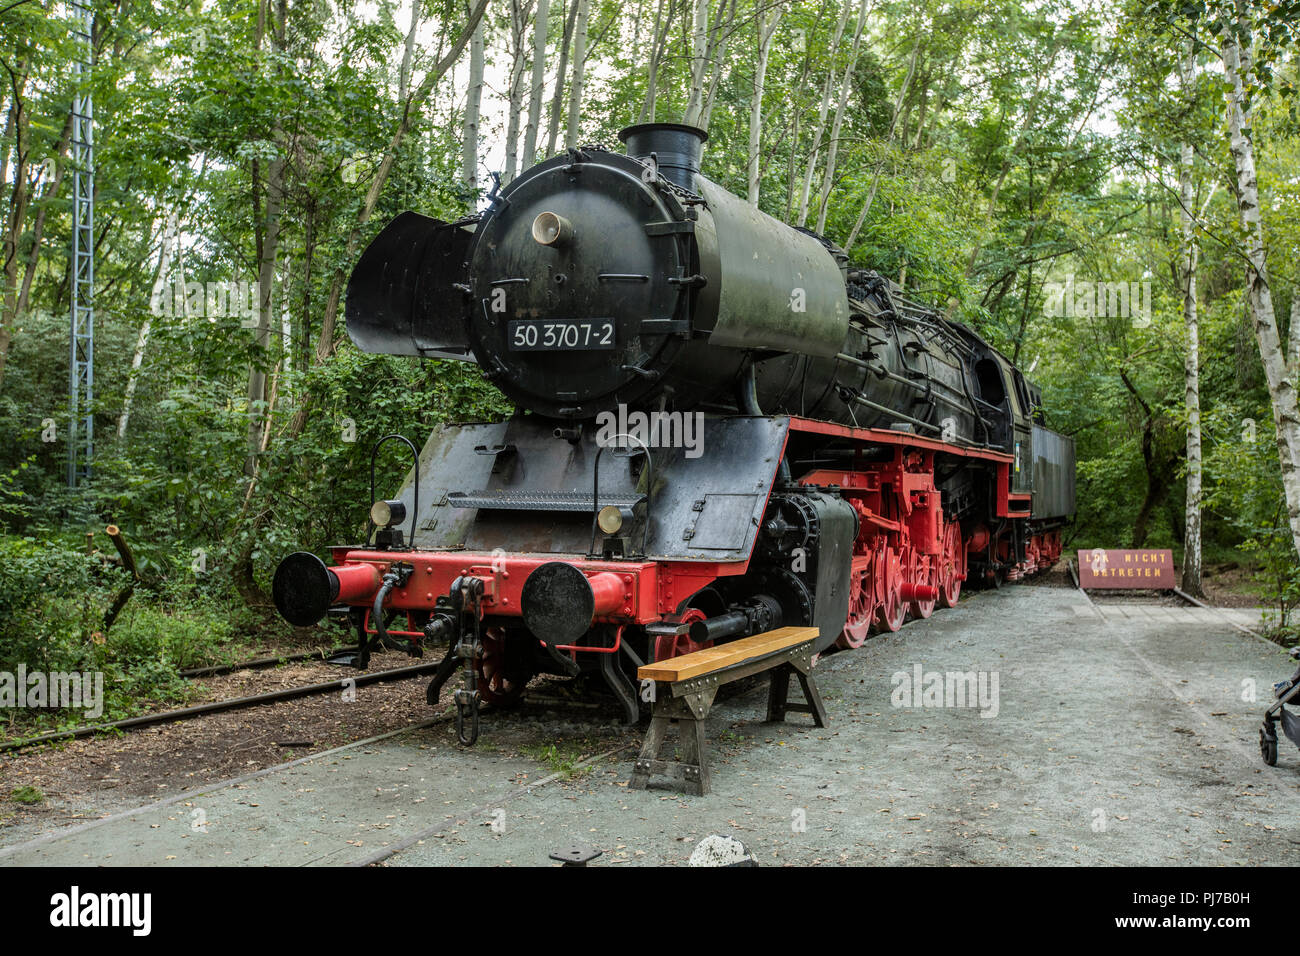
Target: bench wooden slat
725, 655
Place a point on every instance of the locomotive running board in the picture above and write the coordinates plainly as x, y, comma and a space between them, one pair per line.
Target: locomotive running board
574, 501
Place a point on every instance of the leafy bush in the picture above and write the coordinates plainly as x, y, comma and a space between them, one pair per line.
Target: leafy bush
52, 605
1246, 491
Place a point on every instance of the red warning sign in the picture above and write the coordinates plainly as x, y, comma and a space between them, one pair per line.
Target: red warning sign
1127, 568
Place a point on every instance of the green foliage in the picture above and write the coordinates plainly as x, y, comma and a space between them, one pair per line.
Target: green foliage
1241, 462
52, 605
26, 794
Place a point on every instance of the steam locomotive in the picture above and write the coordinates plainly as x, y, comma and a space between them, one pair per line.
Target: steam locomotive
723, 427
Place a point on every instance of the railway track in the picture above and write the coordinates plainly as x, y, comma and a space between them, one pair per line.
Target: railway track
269, 697
1182, 596
260, 663
213, 707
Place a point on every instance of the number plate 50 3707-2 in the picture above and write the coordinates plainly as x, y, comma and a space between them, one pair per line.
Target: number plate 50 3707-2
544, 335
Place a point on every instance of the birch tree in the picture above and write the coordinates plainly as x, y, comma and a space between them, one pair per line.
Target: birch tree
579, 69
823, 108
170, 241
473, 103
1237, 43
718, 56
268, 201
833, 148
557, 98
766, 32
699, 59
408, 52
518, 28
1191, 576
19, 198
540, 28
659, 43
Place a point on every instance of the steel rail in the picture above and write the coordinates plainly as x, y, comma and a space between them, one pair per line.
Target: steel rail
260, 662
235, 703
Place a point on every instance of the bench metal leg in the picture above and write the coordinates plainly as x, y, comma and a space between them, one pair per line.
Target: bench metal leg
778, 694
814, 699
692, 773
778, 690
654, 739
696, 752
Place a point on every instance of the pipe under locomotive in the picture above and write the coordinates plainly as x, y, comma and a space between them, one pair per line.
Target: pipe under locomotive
810, 447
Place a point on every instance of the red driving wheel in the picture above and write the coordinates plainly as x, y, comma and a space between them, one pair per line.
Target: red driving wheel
920, 570
892, 607
675, 645
494, 686
954, 566
862, 608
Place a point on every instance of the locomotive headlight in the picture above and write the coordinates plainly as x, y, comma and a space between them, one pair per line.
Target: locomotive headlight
551, 229
611, 517
385, 514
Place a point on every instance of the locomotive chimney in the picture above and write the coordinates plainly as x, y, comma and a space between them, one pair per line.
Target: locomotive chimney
677, 149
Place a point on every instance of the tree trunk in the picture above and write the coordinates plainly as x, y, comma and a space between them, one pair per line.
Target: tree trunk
1281, 386
267, 224
1157, 472
171, 238
474, 99
699, 59
579, 68
38, 225
19, 198
833, 148
269, 249
766, 33
1191, 576
823, 107
889, 139
518, 27
540, 27
718, 54
663, 23
408, 54
557, 98
1293, 337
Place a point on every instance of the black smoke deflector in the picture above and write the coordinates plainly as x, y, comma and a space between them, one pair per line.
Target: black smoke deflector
402, 297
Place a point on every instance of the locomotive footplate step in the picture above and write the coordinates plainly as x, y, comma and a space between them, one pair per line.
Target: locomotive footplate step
685, 687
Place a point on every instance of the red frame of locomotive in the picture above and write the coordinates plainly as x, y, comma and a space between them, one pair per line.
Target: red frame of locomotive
904, 529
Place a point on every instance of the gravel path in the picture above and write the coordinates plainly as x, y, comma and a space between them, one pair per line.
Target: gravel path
1110, 740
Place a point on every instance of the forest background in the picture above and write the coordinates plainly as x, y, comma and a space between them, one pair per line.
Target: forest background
1017, 162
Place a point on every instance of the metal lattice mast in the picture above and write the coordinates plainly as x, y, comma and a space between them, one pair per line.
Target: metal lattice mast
81, 424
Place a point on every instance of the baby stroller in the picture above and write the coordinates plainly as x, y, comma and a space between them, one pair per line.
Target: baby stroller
1285, 692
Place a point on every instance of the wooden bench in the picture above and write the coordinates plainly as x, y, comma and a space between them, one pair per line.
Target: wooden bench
685, 687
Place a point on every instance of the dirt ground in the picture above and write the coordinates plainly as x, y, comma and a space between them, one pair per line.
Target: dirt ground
1230, 585
171, 757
